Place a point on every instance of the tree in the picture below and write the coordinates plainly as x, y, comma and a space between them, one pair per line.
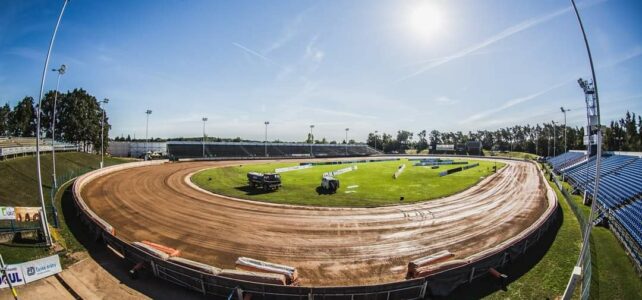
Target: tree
403, 140
5, 111
22, 120
422, 143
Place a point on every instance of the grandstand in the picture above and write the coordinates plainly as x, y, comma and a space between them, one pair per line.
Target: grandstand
16, 146
619, 198
247, 149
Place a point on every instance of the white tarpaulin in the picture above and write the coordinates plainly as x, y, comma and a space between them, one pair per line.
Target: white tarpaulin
7, 213
31, 271
293, 168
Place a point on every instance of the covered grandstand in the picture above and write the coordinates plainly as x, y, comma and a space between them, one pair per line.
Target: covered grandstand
619, 198
248, 149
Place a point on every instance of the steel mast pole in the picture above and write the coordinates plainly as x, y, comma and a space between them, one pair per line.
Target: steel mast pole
45, 228
60, 71
311, 140
266, 126
102, 139
204, 120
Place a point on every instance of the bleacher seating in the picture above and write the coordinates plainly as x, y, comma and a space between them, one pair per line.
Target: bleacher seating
12, 146
243, 149
620, 190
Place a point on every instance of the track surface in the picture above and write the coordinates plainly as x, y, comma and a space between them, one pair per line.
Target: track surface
329, 246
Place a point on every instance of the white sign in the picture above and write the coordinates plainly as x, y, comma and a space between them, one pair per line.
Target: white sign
7, 213
340, 171
14, 274
31, 271
41, 268
293, 168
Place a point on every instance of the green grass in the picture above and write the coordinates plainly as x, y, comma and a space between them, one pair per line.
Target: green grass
522, 155
613, 274
18, 187
376, 185
548, 277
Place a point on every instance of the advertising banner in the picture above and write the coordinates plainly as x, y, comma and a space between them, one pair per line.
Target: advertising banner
31, 271
14, 274
7, 213
287, 169
41, 268
27, 214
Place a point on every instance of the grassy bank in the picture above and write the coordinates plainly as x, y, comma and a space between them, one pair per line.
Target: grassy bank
18, 187
372, 184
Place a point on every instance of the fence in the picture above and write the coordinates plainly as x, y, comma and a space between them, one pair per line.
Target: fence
439, 284
585, 288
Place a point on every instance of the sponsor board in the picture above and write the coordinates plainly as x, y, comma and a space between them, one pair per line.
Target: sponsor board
339, 172
27, 214
293, 168
14, 274
31, 271
7, 213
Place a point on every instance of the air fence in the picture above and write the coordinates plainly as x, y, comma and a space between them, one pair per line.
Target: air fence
438, 284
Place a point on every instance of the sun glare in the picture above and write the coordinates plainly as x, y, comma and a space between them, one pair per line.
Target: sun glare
425, 21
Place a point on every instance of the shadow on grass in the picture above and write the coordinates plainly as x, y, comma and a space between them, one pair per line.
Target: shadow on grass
119, 268
250, 191
321, 191
487, 285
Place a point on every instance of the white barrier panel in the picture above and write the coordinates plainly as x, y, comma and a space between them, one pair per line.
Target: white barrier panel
7, 213
31, 271
293, 168
14, 274
340, 171
399, 171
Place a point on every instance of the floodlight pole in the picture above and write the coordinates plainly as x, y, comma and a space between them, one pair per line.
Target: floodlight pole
204, 120
554, 138
61, 71
45, 228
311, 140
347, 129
147, 112
593, 129
102, 139
564, 110
265, 140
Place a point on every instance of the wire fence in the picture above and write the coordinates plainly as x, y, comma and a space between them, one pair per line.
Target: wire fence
585, 287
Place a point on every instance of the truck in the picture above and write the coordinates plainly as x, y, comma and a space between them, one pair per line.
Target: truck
330, 184
266, 182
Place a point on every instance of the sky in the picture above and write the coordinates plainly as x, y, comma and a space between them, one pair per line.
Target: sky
364, 65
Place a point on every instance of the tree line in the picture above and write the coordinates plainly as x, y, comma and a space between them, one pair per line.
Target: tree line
79, 118
545, 139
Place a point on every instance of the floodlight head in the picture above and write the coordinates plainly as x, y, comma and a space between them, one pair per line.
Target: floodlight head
204, 119
347, 129
311, 126
266, 122
60, 70
106, 100
149, 112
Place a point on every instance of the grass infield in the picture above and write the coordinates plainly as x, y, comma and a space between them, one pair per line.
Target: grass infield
372, 184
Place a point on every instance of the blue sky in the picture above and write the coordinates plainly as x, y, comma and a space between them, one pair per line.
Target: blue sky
365, 64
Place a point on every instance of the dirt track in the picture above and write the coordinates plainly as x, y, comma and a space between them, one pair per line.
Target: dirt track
329, 246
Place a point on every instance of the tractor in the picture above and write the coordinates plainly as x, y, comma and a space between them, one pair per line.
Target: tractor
266, 182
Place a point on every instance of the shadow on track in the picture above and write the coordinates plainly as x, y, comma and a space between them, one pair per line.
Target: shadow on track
487, 285
146, 283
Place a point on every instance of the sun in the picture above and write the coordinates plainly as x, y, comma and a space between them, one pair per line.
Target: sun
425, 20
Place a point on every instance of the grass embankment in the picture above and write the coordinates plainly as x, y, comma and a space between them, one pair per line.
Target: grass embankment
509, 154
18, 187
547, 278
613, 275
372, 184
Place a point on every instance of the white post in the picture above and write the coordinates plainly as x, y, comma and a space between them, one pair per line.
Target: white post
45, 228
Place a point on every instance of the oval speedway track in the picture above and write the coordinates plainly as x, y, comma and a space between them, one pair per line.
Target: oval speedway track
329, 246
